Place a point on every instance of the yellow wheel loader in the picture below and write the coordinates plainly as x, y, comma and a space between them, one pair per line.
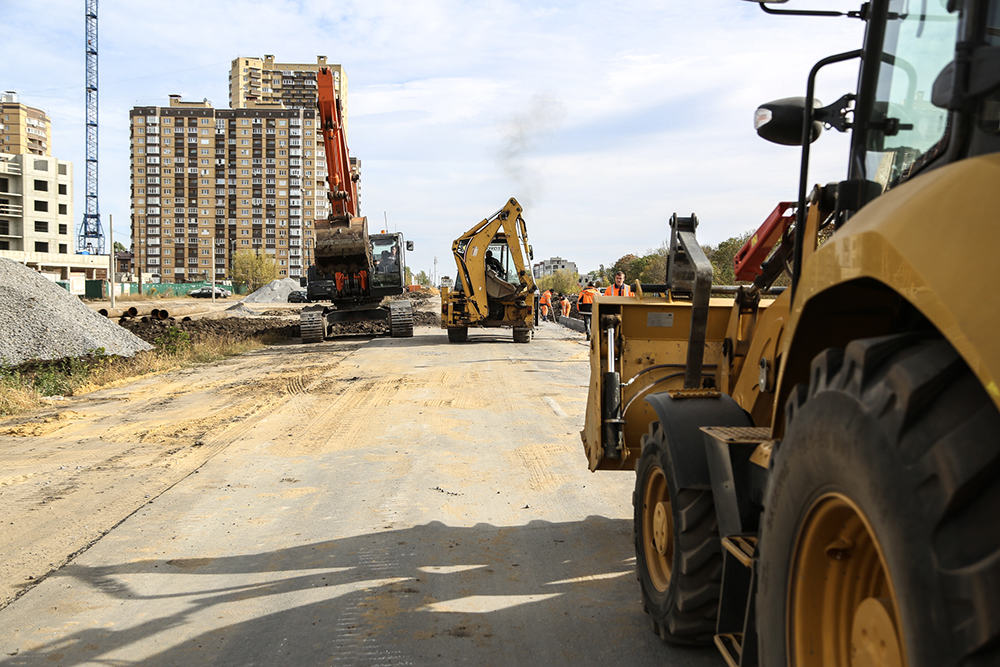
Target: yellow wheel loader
494, 286
818, 470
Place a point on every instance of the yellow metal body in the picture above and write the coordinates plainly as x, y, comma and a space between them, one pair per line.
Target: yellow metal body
650, 356
480, 299
904, 248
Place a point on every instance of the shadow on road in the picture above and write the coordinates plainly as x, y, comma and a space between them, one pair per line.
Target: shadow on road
543, 593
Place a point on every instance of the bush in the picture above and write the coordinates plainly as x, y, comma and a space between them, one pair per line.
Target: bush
173, 340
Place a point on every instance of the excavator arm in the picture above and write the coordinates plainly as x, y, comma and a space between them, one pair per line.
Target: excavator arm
342, 244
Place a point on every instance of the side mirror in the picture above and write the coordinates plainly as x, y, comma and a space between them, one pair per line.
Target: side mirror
409, 245
531, 253
303, 282
780, 121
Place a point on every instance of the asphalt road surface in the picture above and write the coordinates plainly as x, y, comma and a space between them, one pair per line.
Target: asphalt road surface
364, 501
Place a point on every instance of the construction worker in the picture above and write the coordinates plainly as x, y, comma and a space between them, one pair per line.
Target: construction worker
619, 288
546, 303
565, 306
585, 304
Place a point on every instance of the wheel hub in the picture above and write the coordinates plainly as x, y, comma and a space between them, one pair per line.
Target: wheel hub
842, 605
661, 528
874, 642
657, 529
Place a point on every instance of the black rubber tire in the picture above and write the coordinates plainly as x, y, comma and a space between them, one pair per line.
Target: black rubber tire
458, 334
901, 427
522, 335
686, 611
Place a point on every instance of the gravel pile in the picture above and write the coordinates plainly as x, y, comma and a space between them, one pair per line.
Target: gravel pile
276, 291
240, 310
40, 320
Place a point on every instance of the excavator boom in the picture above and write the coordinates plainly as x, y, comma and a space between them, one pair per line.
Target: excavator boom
342, 239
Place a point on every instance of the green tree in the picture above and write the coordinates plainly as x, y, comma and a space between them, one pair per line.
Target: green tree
253, 270
119, 247
654, 271
563, 281
422, 278
407, 275
722, 256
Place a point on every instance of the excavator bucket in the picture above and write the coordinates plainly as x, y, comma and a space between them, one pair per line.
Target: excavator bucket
343, 244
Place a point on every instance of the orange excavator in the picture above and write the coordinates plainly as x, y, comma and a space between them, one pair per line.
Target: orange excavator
353, 270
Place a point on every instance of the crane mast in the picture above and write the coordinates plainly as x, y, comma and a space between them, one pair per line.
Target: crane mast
90, 240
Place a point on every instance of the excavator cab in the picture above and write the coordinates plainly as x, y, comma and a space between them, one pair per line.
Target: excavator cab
387, 253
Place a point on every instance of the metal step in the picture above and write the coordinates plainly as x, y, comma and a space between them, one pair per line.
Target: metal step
731, 648
743, 547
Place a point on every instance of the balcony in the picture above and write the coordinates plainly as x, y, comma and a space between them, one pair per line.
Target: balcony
11, 210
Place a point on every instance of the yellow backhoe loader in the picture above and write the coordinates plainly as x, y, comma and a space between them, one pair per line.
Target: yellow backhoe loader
494, 286
818, 470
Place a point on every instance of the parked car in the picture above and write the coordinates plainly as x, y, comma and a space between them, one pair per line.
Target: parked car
206, 293
298, 296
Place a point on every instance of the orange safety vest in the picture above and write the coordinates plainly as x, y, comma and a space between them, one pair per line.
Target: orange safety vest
565, 307
624, 290
546, 299
587, 295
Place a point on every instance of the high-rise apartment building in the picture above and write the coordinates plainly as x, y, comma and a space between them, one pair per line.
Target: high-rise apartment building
261, 81
207, 183
23, 129
36, 204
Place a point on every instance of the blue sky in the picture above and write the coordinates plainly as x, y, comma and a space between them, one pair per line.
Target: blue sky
601, 117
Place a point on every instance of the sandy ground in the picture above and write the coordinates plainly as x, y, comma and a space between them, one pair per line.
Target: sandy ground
365, 500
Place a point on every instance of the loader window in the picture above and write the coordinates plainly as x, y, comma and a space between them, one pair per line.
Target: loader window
905, 129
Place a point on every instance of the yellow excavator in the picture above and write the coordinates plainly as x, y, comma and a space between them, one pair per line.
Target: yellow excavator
494, 286
818, 468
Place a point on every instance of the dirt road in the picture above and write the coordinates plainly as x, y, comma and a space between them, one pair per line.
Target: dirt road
364, 501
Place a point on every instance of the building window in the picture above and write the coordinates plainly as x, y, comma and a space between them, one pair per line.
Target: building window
63, 209
63, 230
41, 246
41, 226
41, 186
41, 165
62, 188
62, 249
